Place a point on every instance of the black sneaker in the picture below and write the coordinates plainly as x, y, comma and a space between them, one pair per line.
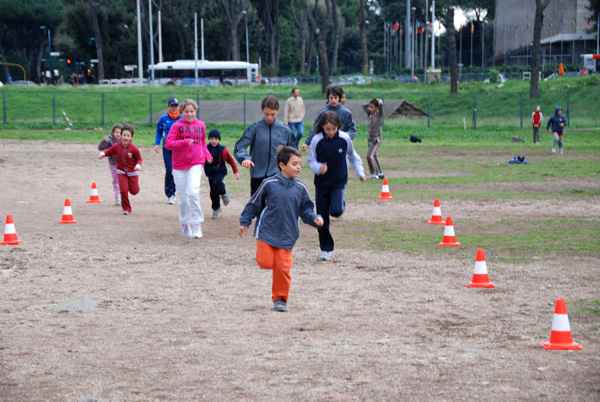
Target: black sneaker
280, 305
381, 176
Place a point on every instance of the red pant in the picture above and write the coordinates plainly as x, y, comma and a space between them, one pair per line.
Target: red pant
280, 261
128, 184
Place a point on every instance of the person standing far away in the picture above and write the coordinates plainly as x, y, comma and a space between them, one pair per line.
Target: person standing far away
162, 130
262, 139
294, 114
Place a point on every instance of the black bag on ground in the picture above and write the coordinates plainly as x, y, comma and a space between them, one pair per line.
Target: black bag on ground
414, 138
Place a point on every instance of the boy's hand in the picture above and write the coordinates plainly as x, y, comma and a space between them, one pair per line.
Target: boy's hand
562, 124
323, 168
319, 221
363, 178
242, 230
105, 138
101, 155
191, 141
237, 176
303, 147
209, 160
137, 168
247, 163
156, 148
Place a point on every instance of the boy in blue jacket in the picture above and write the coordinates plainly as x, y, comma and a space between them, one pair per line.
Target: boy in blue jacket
558, 122
162, 130
278, 203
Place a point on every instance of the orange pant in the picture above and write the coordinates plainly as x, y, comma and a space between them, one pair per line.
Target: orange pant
280, 261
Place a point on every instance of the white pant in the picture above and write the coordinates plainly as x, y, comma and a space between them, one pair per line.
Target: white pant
187, 183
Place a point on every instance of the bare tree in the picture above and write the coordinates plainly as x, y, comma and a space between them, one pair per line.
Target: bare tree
540, 6
97, 35
336, 37
180, 36
232, 19
301, 25
362, 25
452, 48
321, 35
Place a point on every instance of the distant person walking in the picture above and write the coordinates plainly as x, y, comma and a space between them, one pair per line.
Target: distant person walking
162, 130
558, 122
374, 111
537, 118
294, 114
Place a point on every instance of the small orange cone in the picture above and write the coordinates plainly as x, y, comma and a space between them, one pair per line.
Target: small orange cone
560, 337
436, 216
94, 199
480, 275
67, 213
385, 191
10, 235
449, 237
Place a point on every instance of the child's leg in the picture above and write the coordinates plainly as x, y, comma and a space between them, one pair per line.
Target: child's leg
181, 179
265, 255
370, 161
282, 280
214, 195
337, 204
124, 188
323, 200
376, 164
193, 194
555, 141
134, 184
115, 179
169, 180
560, 142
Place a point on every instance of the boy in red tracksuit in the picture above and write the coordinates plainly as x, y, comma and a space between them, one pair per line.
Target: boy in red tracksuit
129, 163
217, 170
537, 118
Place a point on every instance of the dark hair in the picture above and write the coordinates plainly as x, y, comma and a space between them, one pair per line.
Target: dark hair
271, 102
293, 89
119, 126
327, 117
130, 128
335, 90
284, 153
374, 102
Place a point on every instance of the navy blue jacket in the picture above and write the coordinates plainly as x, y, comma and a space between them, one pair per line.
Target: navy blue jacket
336, 152
556, 120
345, 115
278, 203
162, 128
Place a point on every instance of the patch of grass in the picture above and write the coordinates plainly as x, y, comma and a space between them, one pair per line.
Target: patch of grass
584, 307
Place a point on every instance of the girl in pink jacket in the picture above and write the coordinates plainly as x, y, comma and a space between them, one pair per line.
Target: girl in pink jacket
187, 140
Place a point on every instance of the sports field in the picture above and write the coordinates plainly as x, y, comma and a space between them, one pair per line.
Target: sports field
123, 308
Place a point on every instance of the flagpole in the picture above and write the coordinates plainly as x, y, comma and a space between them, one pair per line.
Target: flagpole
505, 61
472, 44
482, 41
432, 35
139, 31
407, 36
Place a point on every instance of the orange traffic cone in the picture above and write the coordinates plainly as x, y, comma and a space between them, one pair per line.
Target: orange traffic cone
480, 275
385, 191
560, 337
436, 216
10, 235
67, 213
449, 237
94, 199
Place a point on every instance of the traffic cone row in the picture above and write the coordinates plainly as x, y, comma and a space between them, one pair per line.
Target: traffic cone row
560, 337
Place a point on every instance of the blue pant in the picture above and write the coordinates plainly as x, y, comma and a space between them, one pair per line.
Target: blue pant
169, 181
329, 202
217, 189
297, 128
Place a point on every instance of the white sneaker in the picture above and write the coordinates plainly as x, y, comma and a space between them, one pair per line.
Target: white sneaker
216, 212
325, 256
186, 231
561, 151
171, 200
118, 201
225, 198
197, 230
553, 150
125, 213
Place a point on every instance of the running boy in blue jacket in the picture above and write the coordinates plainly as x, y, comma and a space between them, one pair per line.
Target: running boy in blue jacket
278, 203
558, 122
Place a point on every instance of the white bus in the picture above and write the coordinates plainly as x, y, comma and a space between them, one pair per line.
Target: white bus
181, 72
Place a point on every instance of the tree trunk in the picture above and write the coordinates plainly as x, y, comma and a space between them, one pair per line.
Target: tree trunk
277, 50
3, 55
178, 28
232, 20
97, 37
540, 6
336, 37
301, 25
362, 24
321, 35
452, 49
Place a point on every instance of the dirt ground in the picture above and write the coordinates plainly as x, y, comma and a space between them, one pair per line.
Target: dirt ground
123, 308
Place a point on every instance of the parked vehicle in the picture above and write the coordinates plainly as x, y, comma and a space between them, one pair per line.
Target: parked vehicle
210, 73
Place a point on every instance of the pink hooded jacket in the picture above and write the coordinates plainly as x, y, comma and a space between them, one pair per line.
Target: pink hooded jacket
186, 155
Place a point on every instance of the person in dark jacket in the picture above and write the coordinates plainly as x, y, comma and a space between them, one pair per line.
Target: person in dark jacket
263, 137
330, 151
278, 203
217, 170
162, 130
558, 122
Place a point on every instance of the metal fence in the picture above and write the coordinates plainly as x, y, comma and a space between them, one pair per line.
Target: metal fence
473, 110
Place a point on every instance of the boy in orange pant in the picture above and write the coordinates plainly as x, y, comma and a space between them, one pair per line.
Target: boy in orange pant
278, 203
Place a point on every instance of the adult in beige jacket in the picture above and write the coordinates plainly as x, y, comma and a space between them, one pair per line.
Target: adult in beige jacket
294, 113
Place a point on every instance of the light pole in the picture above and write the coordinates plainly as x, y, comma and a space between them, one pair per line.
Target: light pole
247, 47
412, 50
50, 64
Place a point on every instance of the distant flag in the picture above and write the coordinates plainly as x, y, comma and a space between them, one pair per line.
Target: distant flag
587, 23
574, 22
396, 26
528, 26
472, 28
494, 24
551, 23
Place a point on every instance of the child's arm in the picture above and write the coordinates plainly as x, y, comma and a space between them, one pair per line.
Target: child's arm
104, 144
171, 143
350, 127
286, 112
138, 159
240, 150
108, 152
356, 162
252, 209
311, 133
307, 211
365, 107
229, 159
160, 128
312, 161
549, 122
